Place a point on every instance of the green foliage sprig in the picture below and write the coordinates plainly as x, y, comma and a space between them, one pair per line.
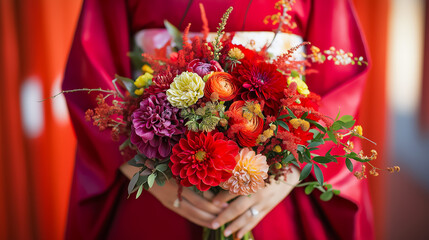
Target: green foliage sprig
217, 44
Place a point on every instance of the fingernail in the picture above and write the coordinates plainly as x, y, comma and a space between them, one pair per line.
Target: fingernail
224, 205
227, 233
215, 225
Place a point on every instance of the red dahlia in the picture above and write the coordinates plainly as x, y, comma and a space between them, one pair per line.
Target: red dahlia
203, 160
261, 82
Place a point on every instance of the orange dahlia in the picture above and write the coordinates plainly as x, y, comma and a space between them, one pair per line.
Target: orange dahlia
249, 173
246, 122
203, 159
223, 84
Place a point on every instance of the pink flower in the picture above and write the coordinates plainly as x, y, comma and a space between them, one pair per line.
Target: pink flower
248, 175
203, 68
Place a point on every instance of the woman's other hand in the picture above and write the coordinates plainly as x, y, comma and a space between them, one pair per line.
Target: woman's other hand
245, 212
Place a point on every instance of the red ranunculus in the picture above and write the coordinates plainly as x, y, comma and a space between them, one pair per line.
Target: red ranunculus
223, 84
246, 130
203, 159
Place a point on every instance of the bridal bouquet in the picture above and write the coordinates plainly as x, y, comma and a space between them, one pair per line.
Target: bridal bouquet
217, 115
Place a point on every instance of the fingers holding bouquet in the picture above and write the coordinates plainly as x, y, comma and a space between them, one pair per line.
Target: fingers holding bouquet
245, 212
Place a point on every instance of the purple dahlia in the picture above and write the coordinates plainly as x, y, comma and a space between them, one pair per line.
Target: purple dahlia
156, 126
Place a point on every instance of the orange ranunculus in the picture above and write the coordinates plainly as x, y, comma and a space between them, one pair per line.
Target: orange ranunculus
247, 126
221, 83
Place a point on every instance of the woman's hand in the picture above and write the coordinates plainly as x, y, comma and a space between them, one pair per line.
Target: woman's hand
239, 211
193, 207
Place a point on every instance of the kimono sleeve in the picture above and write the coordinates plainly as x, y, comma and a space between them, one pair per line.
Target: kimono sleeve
99, 51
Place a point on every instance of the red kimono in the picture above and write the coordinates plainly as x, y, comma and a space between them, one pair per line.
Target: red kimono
99, 208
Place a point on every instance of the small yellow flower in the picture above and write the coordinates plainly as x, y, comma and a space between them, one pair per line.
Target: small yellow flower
357, 130
185, 90
298, 122
236, 53
143, 80
147, 69
277, 149
301, 85
139, 91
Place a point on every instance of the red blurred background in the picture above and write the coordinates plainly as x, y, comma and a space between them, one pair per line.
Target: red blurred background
37, 142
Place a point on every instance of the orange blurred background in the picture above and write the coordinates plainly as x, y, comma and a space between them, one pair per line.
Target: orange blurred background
37, 142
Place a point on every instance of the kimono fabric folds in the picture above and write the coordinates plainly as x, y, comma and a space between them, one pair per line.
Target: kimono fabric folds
99, 208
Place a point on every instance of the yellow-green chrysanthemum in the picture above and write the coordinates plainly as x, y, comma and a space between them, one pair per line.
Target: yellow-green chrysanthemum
185, 90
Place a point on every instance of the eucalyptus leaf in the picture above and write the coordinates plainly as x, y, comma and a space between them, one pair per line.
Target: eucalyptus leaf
305, 171
151, 179
319, 174
336, 191
162, 167
326, 196
139, 192
309, 189
133, 182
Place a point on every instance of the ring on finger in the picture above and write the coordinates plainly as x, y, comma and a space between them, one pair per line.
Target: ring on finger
253, 212
176, 203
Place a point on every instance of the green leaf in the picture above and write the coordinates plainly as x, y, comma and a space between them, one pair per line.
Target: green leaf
309, 189
337, 125
332, 137
139, 192
289, 158
136, 57
160, 181
294, 162
151, 179
349, 165
320, 127
283, 125
304, 115
283, 116
128, 84
346, 118
294, 73
328, 186
338, 115
349, 124
136, 161
336, 191
326, 196
305, 171
162, 167
291, 113
319, 174
133, 182
175, 34
322, 159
